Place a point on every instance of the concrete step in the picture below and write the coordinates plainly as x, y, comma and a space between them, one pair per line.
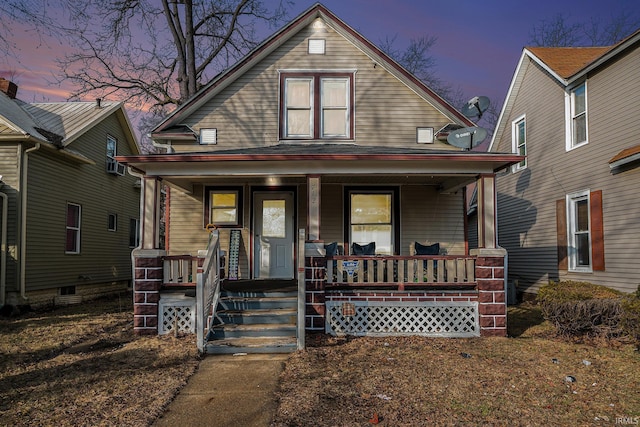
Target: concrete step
244, 317
252, 345
248, 303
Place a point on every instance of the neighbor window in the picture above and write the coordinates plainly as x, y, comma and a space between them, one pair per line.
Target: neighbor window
112, 145
223, 206
316, 106
72, 245
579, 247
134, 232
371, 219
519, 138
577, 117
112, 222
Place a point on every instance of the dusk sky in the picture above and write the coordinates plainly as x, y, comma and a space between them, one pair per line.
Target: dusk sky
478, 42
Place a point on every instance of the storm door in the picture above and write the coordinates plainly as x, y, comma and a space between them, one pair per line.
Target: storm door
273, 235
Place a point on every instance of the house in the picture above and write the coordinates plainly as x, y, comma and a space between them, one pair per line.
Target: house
569, 211
70, 214
322, 164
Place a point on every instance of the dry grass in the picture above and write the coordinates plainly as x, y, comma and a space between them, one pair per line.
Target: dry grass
417, 381
83, 366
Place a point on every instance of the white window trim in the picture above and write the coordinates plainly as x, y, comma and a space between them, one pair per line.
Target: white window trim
568, 112
572, 254
78, 228
115, 146
323, 134
514, 141
311, 106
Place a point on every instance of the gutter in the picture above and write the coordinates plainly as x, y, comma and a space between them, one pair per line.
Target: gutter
23, 222
3, 245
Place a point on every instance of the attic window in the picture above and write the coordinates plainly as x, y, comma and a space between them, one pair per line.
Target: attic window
208, 136
317, 46
424, 135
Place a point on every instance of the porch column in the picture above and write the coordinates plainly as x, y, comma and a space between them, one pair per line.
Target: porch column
313, 207
487, 229
147, 261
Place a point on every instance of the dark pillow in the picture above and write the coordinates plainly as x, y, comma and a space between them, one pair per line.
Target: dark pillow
368, 249
427, 249
331, 249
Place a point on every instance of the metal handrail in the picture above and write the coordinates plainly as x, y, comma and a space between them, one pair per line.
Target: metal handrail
208, 289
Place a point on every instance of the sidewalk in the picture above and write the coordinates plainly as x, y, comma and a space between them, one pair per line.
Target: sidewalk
226, 391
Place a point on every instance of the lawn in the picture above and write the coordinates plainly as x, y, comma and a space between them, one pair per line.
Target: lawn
83, 366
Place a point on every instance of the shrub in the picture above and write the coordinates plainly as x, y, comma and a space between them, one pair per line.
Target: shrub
630, 320
582, 308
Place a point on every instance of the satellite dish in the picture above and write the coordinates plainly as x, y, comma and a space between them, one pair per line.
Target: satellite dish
475, 107
467, 138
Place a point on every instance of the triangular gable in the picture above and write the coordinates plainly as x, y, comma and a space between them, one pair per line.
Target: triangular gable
577, 64
227, 77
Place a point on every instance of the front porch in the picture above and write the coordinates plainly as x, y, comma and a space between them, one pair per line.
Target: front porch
290, 221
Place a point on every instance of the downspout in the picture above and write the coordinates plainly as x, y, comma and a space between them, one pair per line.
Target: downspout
3, 245
23, 224
135, 250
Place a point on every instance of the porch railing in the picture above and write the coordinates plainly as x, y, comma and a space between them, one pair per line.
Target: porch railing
401, 271
179, 270
208, 290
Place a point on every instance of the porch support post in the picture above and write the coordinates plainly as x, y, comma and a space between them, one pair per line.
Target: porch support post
147, 262
313, 207
487, 211
315, 284
492, 301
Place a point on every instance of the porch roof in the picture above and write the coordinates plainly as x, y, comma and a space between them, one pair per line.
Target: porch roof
303, 159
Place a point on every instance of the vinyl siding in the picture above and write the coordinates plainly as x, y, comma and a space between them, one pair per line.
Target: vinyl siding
526, 199
105, 256
246, 113
9, 159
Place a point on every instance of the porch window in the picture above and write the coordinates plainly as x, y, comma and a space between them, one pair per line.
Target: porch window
316, 106
579, 231
72, 244
577, 117
519, 138
223, 206
371, 219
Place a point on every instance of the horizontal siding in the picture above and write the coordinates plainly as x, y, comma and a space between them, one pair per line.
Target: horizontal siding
105, 256
246, 113
9, 169
526, 205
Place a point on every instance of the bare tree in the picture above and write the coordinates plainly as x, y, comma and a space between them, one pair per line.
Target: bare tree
154, 53
560, 32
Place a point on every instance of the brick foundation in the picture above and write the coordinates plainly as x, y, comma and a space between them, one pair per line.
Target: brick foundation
492, 306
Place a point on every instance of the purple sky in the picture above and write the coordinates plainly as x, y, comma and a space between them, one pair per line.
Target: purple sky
479, 42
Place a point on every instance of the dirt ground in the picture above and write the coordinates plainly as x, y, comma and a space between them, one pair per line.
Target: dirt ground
83, 366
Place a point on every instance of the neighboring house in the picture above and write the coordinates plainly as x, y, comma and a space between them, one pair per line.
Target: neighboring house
331, 162
569, 211
70, 213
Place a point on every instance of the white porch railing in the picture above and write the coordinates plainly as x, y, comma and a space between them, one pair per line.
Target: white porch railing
208, 290
403, 271
179, 270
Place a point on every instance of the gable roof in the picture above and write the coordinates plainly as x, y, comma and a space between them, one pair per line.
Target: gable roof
566, 65
285, 33
58, 124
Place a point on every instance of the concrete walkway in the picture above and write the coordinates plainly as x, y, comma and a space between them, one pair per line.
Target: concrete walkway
226, 391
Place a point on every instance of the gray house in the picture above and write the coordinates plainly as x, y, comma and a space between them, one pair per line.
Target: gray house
69, 213
569, 211
324, 169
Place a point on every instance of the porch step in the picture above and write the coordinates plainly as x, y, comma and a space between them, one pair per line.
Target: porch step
255, 320
252, 345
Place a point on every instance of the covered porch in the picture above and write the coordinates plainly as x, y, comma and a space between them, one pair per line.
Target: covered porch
395, 289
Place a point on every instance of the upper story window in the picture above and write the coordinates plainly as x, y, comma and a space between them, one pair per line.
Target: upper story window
577, 117
316, 106
519, 140
112, 146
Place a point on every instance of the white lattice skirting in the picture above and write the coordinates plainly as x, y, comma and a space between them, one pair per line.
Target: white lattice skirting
378, 318
176, 312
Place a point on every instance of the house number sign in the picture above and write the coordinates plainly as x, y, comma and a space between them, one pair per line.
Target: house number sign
350, 267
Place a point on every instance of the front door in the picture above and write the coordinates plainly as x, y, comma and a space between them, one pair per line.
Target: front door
273, 235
